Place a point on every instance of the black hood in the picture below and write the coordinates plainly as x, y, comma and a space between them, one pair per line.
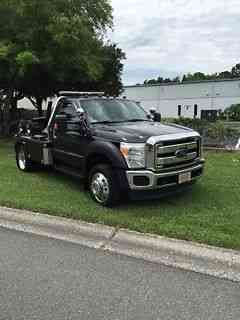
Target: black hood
135, 132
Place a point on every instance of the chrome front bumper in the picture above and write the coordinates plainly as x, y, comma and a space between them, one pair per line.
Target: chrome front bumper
149, 180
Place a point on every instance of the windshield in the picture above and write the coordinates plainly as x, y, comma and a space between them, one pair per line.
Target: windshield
110, 111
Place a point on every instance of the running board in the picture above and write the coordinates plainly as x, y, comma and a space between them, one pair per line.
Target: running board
69, 171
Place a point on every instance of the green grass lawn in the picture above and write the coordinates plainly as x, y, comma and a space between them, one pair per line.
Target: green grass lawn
210, 213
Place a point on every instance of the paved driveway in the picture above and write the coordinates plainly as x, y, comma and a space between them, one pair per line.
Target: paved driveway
49, 279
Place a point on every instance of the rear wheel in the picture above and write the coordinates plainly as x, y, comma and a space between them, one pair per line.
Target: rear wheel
103, 185
22, 159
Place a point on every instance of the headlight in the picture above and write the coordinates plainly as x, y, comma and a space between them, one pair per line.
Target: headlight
134, 153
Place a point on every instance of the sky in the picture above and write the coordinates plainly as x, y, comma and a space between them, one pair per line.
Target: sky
173, 37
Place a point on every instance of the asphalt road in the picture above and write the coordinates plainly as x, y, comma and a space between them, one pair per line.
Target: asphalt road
49, 279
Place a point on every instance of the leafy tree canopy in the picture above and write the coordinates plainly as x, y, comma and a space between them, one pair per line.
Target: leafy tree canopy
48, 45
199, 76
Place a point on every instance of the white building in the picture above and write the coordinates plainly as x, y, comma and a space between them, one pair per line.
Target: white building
172, 99
26, 104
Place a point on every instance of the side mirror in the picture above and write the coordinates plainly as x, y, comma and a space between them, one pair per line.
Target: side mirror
157, 117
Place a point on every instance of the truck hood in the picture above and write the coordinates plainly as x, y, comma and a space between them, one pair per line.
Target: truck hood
136, 132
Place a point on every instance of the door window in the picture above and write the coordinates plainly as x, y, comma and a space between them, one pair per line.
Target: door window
66, 125
66, 107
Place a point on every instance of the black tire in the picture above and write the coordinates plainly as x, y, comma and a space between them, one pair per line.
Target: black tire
23, 162
102, 176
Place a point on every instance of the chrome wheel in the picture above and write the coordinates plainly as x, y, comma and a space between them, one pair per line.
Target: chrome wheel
100, 187
21, 159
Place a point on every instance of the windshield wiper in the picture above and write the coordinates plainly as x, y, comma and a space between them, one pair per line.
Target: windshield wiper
105, 122
120, 121
137, 120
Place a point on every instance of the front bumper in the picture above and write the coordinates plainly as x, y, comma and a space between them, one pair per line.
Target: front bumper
149, 180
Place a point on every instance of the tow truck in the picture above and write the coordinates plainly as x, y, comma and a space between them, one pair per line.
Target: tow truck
113, 145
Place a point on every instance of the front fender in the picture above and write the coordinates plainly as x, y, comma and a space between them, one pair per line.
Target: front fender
108, 151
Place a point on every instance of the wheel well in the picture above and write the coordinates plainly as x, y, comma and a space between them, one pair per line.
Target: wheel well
18, 145
94, 160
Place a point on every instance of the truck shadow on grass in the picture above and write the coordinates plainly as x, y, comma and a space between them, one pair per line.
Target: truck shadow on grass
141, 207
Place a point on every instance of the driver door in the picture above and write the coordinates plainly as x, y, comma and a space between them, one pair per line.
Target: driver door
67, 140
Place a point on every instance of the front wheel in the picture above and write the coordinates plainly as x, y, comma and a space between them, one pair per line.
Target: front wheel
103, 185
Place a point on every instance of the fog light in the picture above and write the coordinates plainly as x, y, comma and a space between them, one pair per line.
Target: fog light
141, 181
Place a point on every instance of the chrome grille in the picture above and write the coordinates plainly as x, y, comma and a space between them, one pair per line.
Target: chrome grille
177, 153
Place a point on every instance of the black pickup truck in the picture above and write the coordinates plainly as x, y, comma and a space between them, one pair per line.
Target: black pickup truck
114, 145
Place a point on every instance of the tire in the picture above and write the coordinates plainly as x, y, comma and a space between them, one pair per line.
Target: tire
22, 160
103, 185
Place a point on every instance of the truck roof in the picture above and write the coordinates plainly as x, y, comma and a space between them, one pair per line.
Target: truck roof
80, 94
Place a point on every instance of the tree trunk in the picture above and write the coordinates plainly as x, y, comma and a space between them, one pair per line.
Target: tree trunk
39, 102
1, 123
6, 113
14, 104
6, 124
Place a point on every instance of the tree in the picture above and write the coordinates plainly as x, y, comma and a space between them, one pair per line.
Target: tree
47, 45
197, 76
152, 81
111, 82
236, 71
225, 75
160, 80
176, 79
184, 79
233, 112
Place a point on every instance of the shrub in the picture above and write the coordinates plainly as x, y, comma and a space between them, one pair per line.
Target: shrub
219, 131
196, 124
216, 131
233, 112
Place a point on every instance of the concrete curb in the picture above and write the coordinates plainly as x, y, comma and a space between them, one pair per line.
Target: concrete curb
91, 235
221, 263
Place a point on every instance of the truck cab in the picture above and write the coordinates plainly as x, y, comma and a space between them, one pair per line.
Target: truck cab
114, 145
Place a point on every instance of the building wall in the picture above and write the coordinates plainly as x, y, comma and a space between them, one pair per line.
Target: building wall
26, 104
166, 98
